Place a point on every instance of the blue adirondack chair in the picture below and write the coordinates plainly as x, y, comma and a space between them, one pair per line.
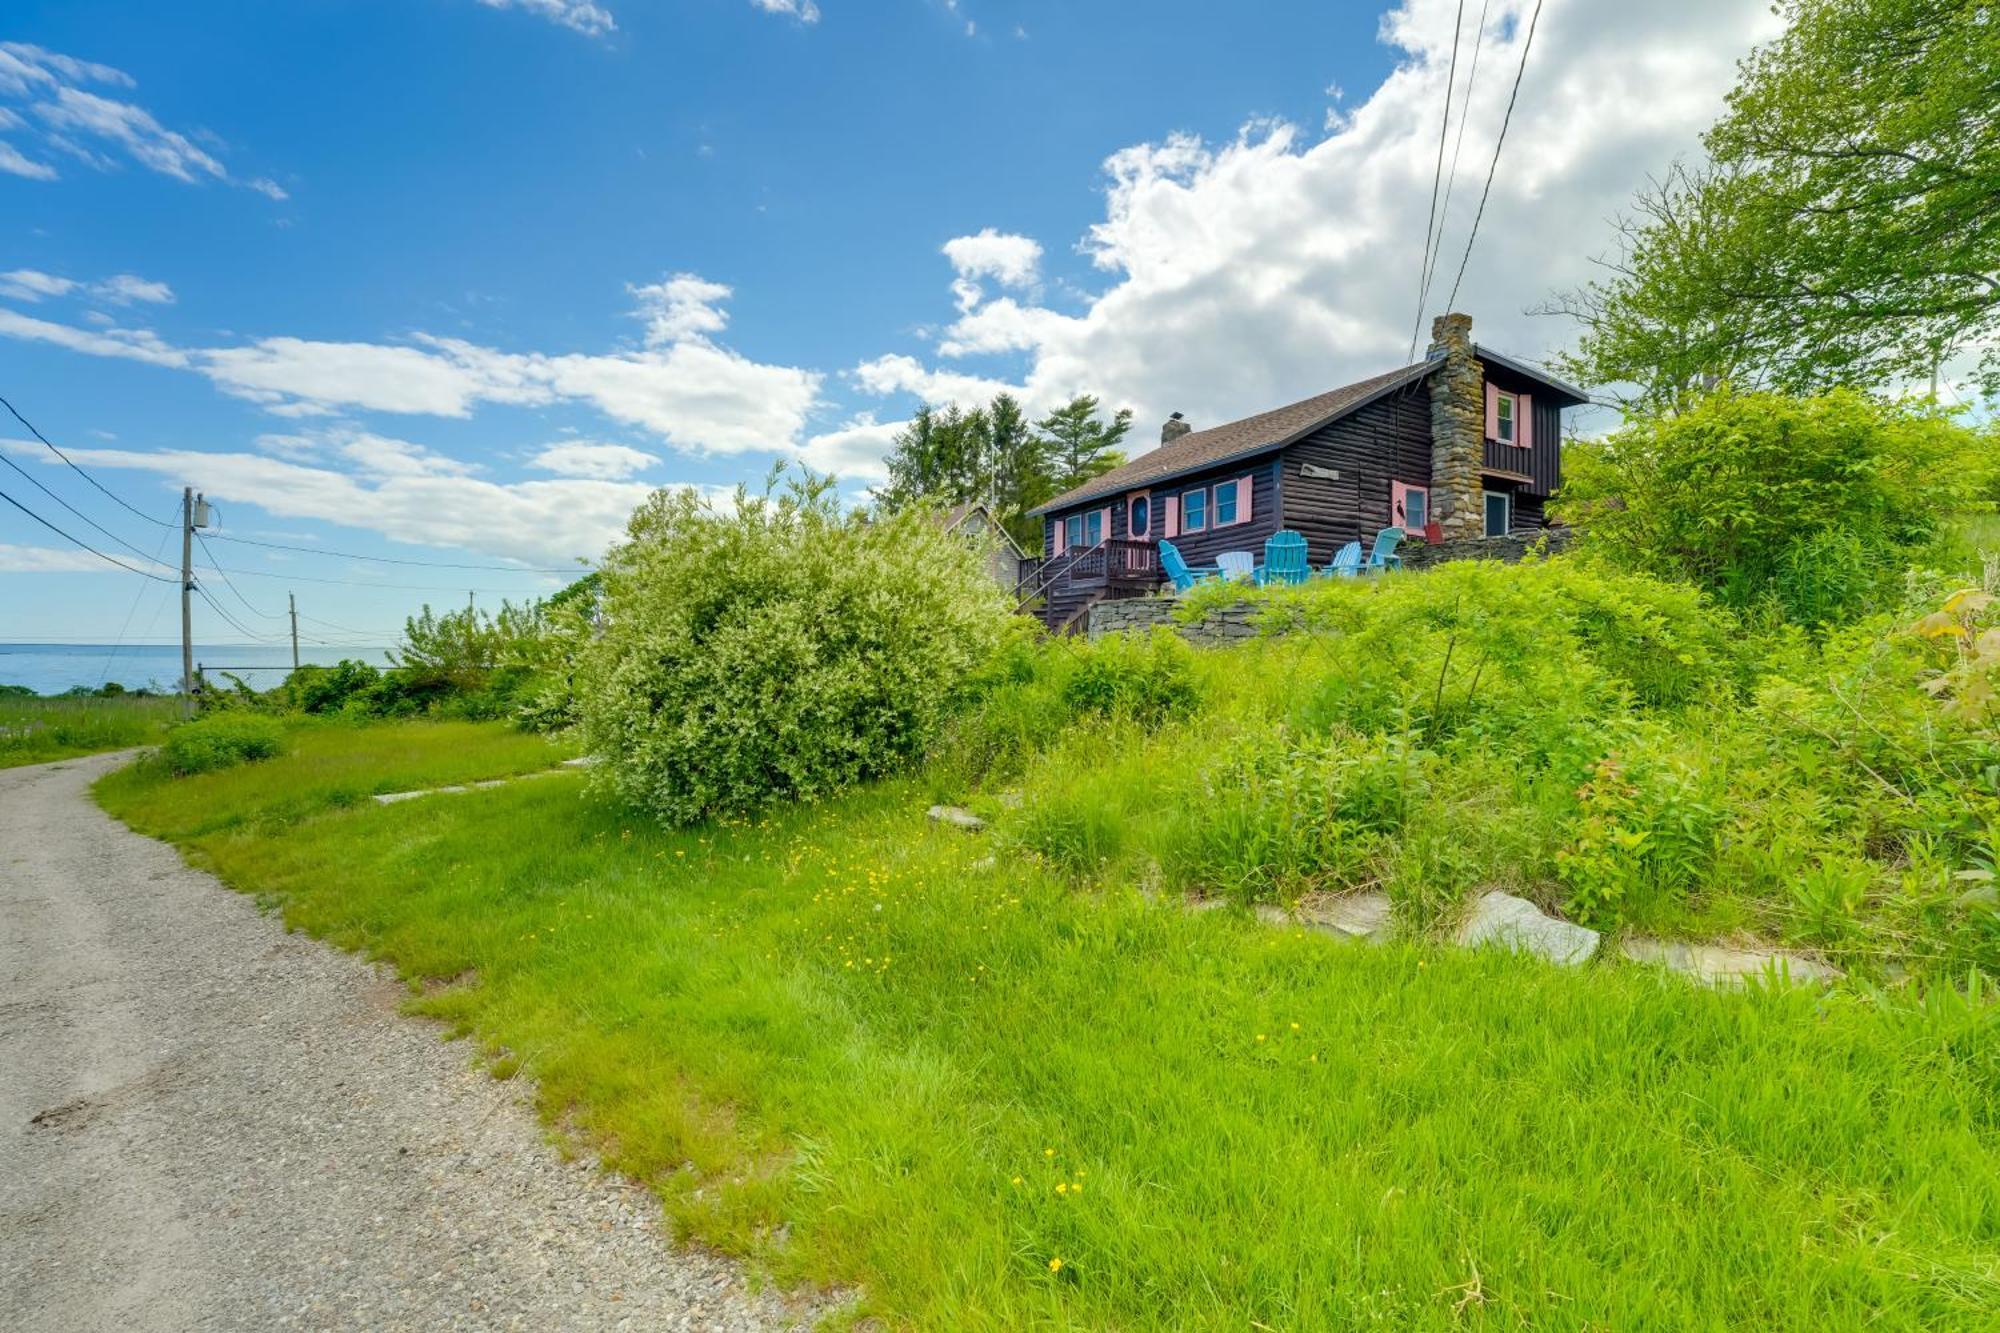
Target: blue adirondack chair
1384, 555
1237, 566
1183, 575
1284, 559
1346, 562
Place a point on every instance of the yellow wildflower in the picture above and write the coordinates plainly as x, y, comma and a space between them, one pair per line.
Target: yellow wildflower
1055, 1265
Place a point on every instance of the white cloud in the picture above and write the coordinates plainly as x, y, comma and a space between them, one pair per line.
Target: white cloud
91, 127
685, 389
805, 11
27, 284
125, 288
853, 452
269, 188
1010, 260
587, 458
681, 306
47, 560
1256, 271
407, 493
579, 15
15, 163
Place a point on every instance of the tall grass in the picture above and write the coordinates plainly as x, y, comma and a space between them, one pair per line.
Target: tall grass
35, 731
845, 1044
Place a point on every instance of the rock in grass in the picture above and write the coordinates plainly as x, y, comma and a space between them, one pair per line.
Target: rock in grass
1719, 965
958, 817
1357, 916
1515, 923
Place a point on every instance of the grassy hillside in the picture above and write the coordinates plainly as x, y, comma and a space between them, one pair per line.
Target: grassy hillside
36, 730
1009, 1092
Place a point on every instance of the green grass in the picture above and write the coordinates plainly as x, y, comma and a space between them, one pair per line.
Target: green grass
35, 731
838, 1023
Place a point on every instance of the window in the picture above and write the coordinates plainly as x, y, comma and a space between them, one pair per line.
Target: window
1073, 531
1139, 516
1503, 408
1499, 513
1093, 526
1194, 511
1225, 502
1409, 506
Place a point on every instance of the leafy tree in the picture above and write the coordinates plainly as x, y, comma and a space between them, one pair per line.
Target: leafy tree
1845, 229
1080, 447
941, 456
1811, 504
1018, 462
778, 649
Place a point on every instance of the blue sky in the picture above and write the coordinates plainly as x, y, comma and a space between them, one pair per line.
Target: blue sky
459, 280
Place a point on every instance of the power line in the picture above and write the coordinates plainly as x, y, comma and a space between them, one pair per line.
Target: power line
263, 640
228, 582
79, 471
250, 541
395, 560
32, 480
1505, 120
1437, 176
112, 559
1457, 148
119, 642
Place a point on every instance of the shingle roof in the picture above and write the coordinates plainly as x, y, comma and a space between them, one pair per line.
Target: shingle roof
1237, 439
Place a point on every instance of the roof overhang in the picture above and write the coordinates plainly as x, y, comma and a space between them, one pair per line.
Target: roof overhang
1408, 377
1527, 371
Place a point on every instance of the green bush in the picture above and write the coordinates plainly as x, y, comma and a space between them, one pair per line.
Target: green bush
1812, 505
778, 649
222, 741
329, 689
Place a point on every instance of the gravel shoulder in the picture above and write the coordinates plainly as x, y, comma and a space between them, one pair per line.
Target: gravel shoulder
209, 1123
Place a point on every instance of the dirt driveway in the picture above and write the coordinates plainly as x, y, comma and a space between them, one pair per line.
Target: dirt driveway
206, 1122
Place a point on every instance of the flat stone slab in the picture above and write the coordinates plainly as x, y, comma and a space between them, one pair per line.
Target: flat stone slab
1515, 923
1357, 916
1721, 965
957, 816
581, 761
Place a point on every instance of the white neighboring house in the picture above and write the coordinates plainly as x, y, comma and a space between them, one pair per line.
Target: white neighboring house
1003, 554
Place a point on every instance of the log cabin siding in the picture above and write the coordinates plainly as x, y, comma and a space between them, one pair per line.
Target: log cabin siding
1198, 548
1387, 441
1542, 461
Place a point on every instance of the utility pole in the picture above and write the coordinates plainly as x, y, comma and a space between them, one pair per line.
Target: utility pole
292, 602
187, 608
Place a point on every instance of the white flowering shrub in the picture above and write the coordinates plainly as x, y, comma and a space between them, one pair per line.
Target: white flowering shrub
776, 650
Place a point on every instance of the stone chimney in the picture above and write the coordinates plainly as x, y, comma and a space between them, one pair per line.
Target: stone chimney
1173, 429
1458, 429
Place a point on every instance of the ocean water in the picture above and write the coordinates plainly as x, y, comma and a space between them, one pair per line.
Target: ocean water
51, 668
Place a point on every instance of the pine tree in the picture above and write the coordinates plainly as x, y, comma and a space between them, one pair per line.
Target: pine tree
1080, 447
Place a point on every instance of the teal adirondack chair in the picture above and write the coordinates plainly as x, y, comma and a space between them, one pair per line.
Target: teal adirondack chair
1180, 573
1346, 562
1284, 559
1384, 555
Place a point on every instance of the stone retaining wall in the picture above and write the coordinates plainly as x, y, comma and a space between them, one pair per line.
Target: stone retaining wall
1232, 624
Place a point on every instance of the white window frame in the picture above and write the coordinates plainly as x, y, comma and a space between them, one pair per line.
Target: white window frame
1486, 512
1506, 417
1204, 524
1235, 486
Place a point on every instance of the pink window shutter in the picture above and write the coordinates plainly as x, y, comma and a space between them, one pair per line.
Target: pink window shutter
1106, 530
1243, 489
1170, 516
1398, 504
1524, 422
1062, 535
1492, 410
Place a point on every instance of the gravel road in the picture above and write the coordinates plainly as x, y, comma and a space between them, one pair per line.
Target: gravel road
208, 1123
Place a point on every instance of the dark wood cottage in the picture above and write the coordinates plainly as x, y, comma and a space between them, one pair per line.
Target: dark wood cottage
1467, 439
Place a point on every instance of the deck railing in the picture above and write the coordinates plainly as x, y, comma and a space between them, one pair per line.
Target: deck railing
1115, 563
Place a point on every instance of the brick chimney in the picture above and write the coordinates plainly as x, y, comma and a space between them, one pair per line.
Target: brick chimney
1173, 428
1458, 429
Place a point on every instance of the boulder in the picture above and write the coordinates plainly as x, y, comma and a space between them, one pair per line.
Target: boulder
1515, 923
957, 816
1721, 965
1356, 916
